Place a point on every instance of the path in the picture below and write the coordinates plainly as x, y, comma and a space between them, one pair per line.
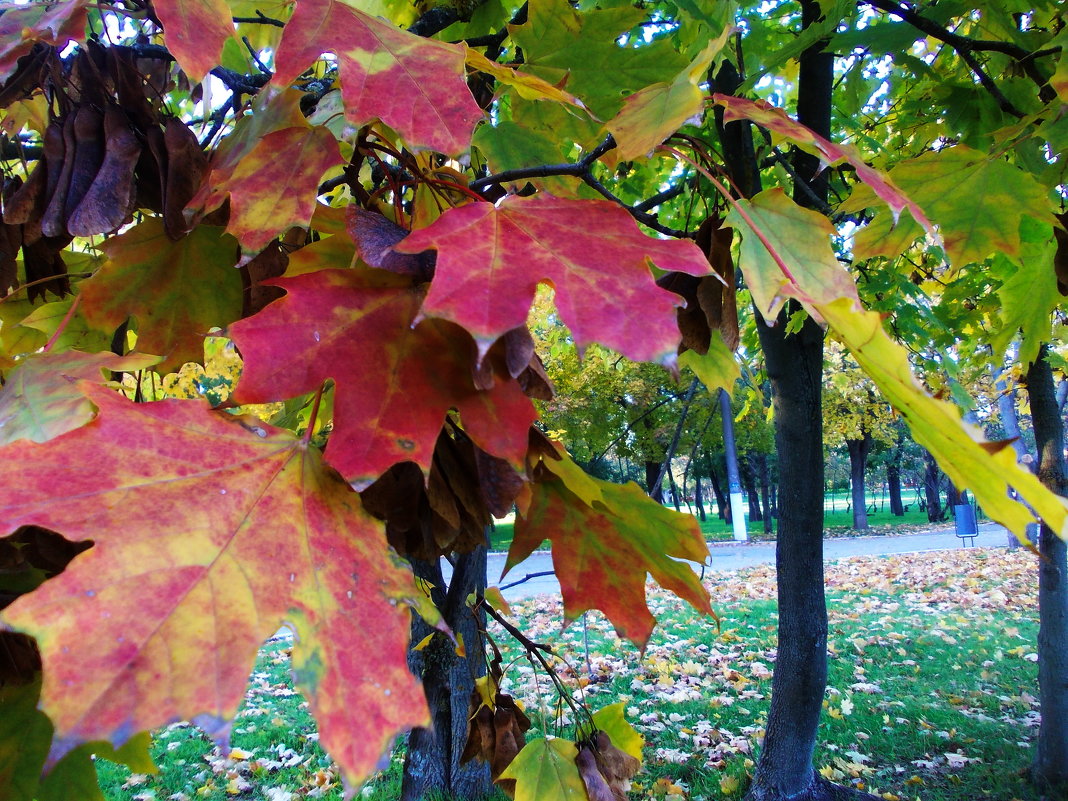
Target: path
736, 555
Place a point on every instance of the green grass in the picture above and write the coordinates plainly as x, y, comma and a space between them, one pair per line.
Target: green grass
930, 693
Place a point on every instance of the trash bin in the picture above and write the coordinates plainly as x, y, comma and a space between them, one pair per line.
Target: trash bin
964, 517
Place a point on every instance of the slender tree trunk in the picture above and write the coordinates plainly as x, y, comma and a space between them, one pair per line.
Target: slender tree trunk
764, 481
697, 498
893, 485
432, 762
674, 491
751, 491
723, 508
1050, 767
858, 468
932, 478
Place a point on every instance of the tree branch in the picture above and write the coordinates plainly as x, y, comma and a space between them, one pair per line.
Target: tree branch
966, 47
583, 170
260, 19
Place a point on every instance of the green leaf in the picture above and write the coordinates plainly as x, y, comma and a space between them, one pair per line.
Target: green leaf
545, 770
74, 777
976, 200
611, 721
561, 44
717, 368
176, 291
1029, 292
25, 735
800, 263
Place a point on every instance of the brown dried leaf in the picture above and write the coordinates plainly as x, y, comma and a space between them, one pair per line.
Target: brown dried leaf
186, 167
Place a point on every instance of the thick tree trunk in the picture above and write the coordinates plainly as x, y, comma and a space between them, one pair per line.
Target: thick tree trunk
858, 468
433, 759
1050, 767
652, 475
795, 365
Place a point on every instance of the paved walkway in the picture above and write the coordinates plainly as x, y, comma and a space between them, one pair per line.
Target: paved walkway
735, 555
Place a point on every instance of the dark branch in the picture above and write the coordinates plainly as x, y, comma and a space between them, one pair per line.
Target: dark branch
966, 47
663, 197
260, 19
526, 578
434, 21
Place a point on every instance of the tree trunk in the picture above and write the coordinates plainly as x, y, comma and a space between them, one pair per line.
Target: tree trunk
795, 366
723, 508
1049, 771
932, 478
858, 468
674, 491
751, 491
893, 473
652, 475
763, 480
697, 497
433, 759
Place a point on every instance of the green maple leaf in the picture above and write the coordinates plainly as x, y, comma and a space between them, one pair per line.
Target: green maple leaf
545, 770
175, 291
1028, 292
580, 50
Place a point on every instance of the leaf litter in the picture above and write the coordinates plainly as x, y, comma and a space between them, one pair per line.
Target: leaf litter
931, 694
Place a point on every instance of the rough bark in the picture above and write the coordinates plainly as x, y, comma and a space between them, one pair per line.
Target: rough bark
795, 365
858, 468
652, 476
432, 762
1049, 771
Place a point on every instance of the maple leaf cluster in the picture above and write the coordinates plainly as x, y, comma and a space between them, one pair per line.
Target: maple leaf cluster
391, 339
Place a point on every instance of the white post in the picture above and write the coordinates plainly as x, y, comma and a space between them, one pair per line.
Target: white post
738, 517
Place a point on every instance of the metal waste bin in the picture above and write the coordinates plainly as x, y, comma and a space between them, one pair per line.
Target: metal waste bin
964, 518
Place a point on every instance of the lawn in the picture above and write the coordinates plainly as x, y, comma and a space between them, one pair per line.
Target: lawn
931, 693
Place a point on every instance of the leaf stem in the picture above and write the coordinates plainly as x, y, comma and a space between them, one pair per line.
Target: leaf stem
737, 207
63, 323
314, 413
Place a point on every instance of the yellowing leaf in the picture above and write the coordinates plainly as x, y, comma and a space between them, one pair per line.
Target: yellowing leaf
178, 596
496, 600
527, 86
610, 719
652, 114
728, 785
195, 32
717, 368
786, 252
423, 643
545, 770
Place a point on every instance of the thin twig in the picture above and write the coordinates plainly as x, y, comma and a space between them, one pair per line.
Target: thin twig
260, 19
527, 578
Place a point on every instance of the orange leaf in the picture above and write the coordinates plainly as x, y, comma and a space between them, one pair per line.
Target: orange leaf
195, 32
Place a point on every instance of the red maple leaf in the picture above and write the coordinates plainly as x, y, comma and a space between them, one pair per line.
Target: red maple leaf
416, 86
394, 382
491, 259
162, 618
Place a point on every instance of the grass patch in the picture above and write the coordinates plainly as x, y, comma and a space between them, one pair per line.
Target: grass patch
931, 691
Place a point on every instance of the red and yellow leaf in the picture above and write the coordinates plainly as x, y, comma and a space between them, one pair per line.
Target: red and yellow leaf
162, 618
602, 552
414, 85
492, 258
394, 383
275, 185
195, 32
176, 291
